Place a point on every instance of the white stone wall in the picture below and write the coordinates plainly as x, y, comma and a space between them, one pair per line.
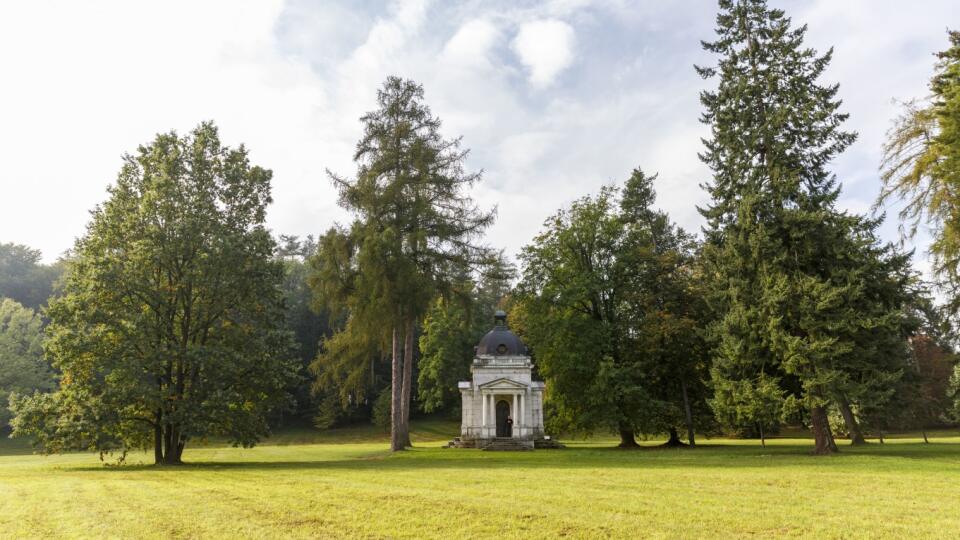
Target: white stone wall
487, 370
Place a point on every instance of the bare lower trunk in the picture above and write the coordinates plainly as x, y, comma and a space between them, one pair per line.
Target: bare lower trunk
924, 431
158, 440
880, 433
763, 440
396, 410
408, 353
674, 440
823, 438
688, 413
169, 449
627, 439
856, 435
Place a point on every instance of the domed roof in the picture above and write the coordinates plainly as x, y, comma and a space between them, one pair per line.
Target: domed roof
501, 341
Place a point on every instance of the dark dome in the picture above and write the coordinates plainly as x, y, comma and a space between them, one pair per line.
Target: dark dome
501, 341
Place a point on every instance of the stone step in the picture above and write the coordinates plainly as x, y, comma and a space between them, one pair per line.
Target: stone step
508, 444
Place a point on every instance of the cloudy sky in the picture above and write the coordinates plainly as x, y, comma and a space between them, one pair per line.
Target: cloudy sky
555, 98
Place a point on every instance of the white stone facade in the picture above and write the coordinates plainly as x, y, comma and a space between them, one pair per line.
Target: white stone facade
501, 386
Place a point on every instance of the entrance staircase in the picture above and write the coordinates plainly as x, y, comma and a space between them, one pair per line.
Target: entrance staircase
505, 444
508, 444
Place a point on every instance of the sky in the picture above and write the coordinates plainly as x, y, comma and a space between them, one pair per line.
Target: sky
554, 99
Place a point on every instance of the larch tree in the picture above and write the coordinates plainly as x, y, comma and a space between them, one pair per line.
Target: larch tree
921, 163
416, 231
170, 325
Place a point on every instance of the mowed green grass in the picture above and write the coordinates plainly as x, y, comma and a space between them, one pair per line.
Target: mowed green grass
345, 484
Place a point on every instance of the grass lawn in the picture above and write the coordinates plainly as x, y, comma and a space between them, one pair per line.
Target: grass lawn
344, 483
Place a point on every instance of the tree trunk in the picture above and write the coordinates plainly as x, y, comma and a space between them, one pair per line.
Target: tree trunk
924, 431
674, 440
158, 438
856, 435
396, 381
688, 413
833, 442
820, 425
158, 442
408, 356
172, 445
627, 439
881, 436
763, 440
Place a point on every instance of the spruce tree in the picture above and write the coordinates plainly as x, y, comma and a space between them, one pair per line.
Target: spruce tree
772, 227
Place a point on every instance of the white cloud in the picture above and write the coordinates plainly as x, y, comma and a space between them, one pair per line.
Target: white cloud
546, 48
85, 82
470, 47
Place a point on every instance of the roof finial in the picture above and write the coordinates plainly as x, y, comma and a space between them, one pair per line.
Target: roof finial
500, 318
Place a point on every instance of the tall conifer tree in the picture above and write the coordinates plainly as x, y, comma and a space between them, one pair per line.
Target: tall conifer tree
416, 232
921, 164
775, 240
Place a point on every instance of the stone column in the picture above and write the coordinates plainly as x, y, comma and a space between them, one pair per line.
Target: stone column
523, 422
491, 411
483, 421
513, 413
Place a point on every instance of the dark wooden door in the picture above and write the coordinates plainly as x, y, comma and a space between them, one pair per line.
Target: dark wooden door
503, 411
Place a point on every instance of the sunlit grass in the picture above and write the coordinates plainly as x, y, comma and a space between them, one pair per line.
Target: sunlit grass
345, 483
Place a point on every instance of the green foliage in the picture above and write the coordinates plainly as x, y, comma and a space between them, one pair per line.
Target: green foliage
346, 366
414, 236
23, 278
23, 369
748, 403
953, 393
606, 303
307, 324
801, 291
921, 162
451, 330
446, 343
416, 227
380, 416
169, 326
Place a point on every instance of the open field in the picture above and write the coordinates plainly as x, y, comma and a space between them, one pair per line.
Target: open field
344, 483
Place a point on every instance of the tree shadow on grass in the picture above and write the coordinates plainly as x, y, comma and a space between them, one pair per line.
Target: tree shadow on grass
704, 456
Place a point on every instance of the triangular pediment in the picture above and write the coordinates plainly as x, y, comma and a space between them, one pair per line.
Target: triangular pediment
503, 383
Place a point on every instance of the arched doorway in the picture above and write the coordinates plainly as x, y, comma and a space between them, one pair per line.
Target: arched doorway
503, 411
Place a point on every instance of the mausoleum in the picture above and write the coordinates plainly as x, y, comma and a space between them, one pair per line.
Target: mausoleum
502, 405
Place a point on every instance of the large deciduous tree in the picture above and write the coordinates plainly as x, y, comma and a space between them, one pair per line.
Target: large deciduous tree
603, 302
170, 323
792, 276
415, 234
